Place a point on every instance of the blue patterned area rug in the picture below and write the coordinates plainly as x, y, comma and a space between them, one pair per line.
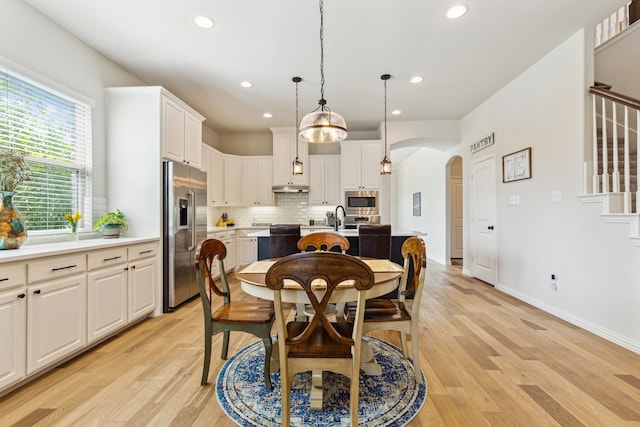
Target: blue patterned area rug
391, 399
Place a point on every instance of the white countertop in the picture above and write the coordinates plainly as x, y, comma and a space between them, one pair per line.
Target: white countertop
59, 248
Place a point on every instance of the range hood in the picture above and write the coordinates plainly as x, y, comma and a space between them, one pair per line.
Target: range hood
290, 188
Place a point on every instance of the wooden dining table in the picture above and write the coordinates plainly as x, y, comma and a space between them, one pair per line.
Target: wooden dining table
386, 278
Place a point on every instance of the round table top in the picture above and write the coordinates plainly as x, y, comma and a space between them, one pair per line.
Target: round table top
386, 274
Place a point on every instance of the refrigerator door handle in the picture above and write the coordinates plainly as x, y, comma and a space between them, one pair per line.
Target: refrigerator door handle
192, 204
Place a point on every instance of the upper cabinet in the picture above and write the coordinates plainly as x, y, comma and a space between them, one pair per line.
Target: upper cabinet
232, 175
360, 164
181, 132
324, 180
213, 164
284, 153
144, 126
257, 184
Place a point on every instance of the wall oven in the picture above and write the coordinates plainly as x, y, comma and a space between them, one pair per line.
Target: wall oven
362, 202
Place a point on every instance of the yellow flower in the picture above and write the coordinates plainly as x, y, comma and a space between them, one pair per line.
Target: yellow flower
73, 219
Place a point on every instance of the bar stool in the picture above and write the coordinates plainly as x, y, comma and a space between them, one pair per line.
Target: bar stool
283, 239
375, 241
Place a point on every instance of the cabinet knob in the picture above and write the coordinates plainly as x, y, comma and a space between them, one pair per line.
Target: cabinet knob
133, 267
37, 292
21, 295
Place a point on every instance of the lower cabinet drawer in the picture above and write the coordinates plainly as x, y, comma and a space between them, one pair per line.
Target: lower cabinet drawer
12, 275
141, 251
105, 258
54, 267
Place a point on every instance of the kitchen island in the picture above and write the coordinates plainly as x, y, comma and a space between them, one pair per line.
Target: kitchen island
397, 239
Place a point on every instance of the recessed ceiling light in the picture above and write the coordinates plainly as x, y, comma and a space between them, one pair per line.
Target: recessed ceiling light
416, 79
246, 84
267, 115
203, 22
456, 11
396, 112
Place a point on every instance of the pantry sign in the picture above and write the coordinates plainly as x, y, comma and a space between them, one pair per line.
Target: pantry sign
482, 144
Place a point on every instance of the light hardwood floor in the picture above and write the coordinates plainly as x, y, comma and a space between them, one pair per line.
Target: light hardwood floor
489, 360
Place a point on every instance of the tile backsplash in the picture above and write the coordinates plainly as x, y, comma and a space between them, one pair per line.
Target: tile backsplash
289, 208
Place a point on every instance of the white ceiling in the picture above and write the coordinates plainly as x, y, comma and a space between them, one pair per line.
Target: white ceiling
462, 61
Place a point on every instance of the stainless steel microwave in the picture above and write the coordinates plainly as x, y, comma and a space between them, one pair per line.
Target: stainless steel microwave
362, 202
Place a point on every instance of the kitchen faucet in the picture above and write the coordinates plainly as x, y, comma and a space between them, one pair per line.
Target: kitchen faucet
344, 214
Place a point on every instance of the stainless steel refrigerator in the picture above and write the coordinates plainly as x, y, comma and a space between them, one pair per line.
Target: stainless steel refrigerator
185, 224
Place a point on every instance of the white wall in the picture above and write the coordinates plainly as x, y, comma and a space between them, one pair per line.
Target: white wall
32, 41
545, 108
424, 172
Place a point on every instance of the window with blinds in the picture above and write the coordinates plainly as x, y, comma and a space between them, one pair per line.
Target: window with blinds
53, 132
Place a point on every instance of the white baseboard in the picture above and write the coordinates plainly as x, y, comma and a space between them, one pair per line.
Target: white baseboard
574, 320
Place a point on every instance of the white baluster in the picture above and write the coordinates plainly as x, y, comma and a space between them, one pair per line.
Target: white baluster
595, 178
598, 41
613, 24
627, 169
605, 155
616, 169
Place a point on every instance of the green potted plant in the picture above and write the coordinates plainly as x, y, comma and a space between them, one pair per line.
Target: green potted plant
112, 224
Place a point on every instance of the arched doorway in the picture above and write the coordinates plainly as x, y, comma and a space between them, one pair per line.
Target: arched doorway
455, 211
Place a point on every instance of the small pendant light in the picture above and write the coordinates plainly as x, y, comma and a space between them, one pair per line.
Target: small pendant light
297, 164
385, 164
322, 125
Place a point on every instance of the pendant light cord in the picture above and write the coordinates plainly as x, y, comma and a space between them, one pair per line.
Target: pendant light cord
297, 80
322, 53
385, 118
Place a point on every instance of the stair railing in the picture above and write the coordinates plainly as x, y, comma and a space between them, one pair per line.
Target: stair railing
604, 101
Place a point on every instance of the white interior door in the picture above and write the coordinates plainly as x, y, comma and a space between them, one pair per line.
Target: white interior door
483, 238
456, 218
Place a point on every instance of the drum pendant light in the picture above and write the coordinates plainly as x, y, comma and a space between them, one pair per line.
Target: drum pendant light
297, 164
385, 164
322, 125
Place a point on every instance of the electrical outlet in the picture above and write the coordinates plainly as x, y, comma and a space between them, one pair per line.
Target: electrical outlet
554, 282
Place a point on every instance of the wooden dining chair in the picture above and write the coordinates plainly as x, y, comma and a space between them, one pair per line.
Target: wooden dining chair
394, 314
322, 241
319, 344
254, 317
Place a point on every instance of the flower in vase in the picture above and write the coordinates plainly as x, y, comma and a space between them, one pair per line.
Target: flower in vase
13, 171
73, 220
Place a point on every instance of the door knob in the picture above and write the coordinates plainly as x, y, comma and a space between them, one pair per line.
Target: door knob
490, 227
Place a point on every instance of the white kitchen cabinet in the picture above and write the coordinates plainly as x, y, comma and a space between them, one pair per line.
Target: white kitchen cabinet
13, 324
324, 180
230, 242
106, 292
257, 181
56, 320
137, 143
284, 153
181, 132
142, 275
213, 164
247, 247
360, 164
229, 239
232, 171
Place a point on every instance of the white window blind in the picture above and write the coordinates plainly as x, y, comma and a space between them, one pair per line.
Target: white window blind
53, 132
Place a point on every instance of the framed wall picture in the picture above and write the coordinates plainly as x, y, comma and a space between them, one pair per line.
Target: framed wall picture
516, 166
417, 204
